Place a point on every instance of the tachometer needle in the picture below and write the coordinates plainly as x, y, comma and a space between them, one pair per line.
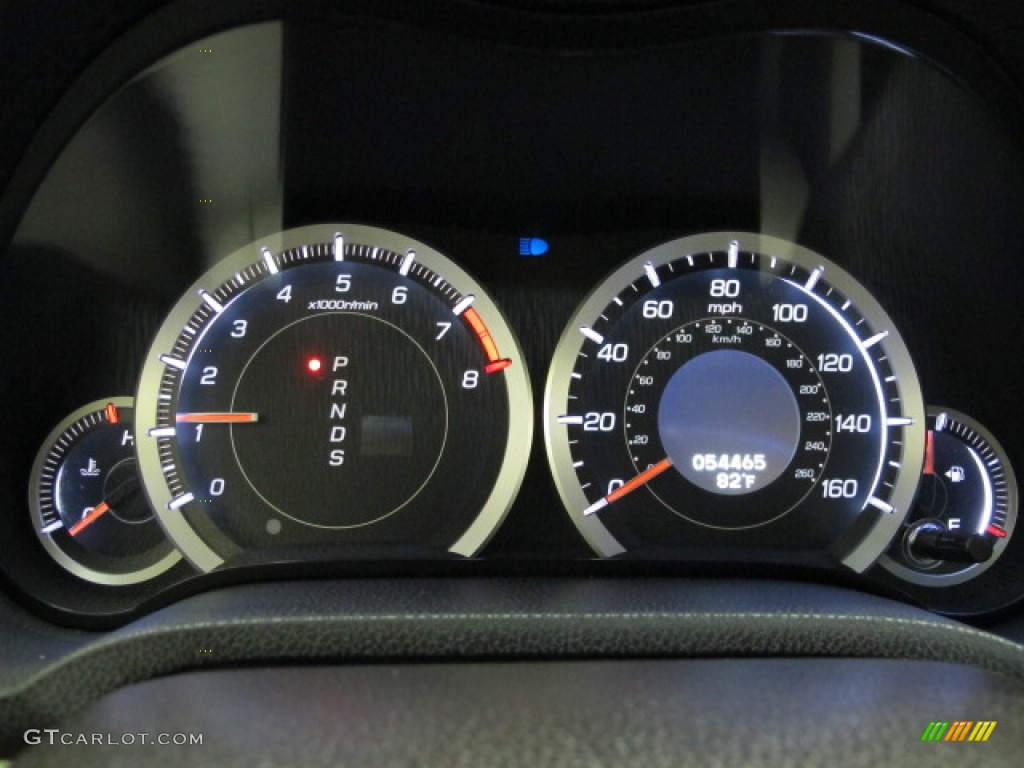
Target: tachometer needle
89, 519
642, 479
218, 418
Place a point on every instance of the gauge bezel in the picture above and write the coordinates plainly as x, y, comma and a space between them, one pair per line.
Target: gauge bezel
556, 393
62, 558
520, 400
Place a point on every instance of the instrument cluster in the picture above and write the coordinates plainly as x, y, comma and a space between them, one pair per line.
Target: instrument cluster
326, 362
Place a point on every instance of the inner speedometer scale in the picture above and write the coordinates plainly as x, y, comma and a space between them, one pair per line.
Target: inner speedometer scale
733, 395
337, 389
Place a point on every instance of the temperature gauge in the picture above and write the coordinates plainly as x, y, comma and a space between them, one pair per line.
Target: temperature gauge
87, 504
965, 508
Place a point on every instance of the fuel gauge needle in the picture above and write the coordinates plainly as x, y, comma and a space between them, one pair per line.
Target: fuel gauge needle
640, 480
218, 418
92, 517
929, 453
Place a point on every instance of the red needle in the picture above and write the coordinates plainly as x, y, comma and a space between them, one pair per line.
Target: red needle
218, 418
929, 453
642, 479
89, 519
995, 530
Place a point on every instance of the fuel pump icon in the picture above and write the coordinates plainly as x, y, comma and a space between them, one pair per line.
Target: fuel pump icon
956, 474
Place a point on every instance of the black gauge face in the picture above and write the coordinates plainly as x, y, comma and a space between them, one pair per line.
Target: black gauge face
333, 389
87, 502
966, 501
736, 391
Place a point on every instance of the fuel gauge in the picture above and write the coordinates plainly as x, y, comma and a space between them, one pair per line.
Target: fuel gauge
87, 504
965, 508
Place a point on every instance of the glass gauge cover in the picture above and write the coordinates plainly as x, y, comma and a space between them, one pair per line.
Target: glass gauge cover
737, 396
334, 391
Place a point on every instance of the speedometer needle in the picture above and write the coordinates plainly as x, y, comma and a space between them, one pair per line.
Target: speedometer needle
642, 479
218, 418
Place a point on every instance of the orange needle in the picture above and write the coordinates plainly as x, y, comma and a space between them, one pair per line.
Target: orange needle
218, 418
642, 479
929, 453
89, 519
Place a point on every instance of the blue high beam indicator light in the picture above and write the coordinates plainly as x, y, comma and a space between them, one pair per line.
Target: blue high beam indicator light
532, 246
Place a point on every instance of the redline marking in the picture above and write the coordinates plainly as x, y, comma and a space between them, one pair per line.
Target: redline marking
497, 365
480, 329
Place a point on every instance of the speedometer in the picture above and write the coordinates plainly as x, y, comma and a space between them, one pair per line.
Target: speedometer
333, 391
734, 396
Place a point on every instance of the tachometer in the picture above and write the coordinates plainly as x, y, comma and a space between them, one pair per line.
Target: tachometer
734, 395
339, 390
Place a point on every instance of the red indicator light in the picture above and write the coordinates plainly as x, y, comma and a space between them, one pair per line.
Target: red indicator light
112, 415
314, 364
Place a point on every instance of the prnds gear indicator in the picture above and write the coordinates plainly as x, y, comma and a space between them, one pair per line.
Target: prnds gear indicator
966, 505
87, 503
737, 395
334, 391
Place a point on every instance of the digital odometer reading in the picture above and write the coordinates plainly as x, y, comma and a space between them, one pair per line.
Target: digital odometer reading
337, 391
734, 390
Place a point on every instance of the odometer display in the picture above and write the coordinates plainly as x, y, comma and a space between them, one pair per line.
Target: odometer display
330, 390
734, 395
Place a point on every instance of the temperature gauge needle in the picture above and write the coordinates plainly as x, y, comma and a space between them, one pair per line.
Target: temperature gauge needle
218, 418
92, 517
642, 479
128, 488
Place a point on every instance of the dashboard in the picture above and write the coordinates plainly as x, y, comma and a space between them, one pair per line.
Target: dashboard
661, 346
